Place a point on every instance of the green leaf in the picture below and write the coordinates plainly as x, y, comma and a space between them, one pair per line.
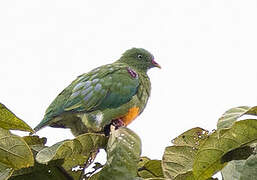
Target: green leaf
52, 171
14, 151
208, 159
231, 116
233, 170
9, 121
35, 143
75, 153
241, 169
238, 154
91, 141
97, 166
59, 150
123, 153
150, 169
76, 161
34, 140
83, 144
186, 176
178, 161
142, 161
193, 137
5, 172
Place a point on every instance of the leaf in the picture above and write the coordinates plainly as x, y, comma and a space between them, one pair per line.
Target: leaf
34, 140
5, 172
14, 151
9, 121
75, 153
238, 154
241, 169
233, 170
150, 169
192, 137
123, 152
97, 166
83, 144
52, 171
36, 166
187, 176
91, 141
231, 116
208, 159
35, 143
142, 161
59, 150
74, 165
178, 161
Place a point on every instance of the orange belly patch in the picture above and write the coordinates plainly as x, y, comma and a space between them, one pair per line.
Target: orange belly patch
131, 115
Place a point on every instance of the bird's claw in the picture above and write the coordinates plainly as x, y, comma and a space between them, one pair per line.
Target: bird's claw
117, 123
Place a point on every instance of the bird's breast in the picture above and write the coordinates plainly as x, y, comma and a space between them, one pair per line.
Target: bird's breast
144, 91
131, 115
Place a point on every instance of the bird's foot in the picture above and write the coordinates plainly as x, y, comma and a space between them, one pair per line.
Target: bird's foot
117, 123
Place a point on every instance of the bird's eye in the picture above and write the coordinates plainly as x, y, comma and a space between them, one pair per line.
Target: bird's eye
139, 56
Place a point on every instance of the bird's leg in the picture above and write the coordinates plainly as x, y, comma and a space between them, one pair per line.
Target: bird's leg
117, 123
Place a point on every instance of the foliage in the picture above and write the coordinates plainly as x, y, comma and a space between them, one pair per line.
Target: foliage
196, 154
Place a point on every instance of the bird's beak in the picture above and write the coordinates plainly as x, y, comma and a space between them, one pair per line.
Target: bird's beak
155, 64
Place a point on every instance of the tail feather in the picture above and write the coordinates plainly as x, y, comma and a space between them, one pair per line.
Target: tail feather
42, 124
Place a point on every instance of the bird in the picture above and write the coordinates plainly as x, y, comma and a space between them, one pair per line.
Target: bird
112, 94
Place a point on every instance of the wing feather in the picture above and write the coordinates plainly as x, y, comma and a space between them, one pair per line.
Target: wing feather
106, 88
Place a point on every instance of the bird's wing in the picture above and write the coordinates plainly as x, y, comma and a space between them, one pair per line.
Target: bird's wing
106, 87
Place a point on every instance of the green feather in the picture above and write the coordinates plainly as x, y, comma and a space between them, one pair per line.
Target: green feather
95, 98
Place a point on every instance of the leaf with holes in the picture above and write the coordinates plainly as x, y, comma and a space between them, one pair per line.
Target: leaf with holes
177, 161
9, 121
193, 137
208, 158
123, 152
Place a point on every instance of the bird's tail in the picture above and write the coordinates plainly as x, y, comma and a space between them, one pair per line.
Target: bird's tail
41, 125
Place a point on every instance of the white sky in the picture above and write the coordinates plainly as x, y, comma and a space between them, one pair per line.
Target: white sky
207, 50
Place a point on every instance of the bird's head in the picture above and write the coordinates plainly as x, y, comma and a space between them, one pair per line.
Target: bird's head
139, 58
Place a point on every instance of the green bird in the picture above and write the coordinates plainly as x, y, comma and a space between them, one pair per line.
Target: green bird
110, 94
